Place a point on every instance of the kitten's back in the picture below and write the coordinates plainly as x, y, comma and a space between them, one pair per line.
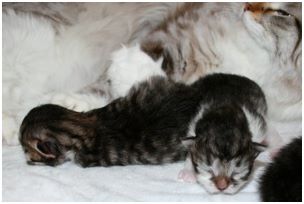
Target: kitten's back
230, 88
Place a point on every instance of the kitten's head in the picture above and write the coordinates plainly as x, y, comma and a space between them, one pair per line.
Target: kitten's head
276, 27
222, 152
44, 135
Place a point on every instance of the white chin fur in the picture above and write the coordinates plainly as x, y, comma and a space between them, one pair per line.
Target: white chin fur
233, 189
210, 187
207, 184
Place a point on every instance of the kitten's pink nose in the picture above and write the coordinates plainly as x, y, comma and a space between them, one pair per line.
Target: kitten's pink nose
221, 182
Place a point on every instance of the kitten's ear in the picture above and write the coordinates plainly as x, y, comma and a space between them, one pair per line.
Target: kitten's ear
188, 141
259, 148
48, 149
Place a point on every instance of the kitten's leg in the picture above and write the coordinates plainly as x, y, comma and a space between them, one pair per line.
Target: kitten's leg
88, 159
187, 174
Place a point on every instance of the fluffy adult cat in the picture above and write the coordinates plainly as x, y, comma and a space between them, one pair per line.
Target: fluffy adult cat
196, 39
259, 40
54, 52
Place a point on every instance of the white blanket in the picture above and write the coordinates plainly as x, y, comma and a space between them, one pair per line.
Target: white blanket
69, 182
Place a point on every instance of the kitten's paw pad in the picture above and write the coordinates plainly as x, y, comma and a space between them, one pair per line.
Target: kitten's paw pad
70, 101
186, 175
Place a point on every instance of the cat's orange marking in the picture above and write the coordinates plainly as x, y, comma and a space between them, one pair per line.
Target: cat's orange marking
258, 9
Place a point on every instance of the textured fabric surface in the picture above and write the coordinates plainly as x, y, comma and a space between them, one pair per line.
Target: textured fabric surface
69, 182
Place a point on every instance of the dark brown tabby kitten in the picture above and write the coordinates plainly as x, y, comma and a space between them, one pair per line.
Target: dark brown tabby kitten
152, 125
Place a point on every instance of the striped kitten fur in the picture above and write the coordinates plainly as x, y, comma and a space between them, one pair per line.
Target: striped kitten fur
158, 122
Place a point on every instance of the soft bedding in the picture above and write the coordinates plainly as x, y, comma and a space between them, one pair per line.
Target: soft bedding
69, 182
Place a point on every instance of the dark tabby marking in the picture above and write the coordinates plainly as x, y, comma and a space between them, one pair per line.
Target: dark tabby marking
282, 180
145, 127
223, 150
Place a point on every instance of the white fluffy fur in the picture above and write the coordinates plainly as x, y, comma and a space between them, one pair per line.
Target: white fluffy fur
255, 127
38, 65
228, 39
130, 66
47, 62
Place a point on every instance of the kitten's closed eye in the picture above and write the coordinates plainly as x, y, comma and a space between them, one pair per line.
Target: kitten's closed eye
239, 175
204, 169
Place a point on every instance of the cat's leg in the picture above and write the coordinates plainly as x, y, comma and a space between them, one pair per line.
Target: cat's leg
79, 102
129, 67
187, 174
94, 95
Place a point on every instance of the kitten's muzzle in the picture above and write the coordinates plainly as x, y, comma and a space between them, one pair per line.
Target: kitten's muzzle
221, 182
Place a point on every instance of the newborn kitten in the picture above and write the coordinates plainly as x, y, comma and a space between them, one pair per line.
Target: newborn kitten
221, 133
282, 180
155, 124
145, 127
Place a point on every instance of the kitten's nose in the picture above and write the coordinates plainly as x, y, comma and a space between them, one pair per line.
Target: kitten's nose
221, 182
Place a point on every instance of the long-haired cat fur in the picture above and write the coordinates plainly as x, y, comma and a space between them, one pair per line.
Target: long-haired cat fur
158, 122
282, 180
261, 41
59, 53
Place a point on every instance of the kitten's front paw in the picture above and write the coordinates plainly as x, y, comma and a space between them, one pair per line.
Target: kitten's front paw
186, 175
70, 101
